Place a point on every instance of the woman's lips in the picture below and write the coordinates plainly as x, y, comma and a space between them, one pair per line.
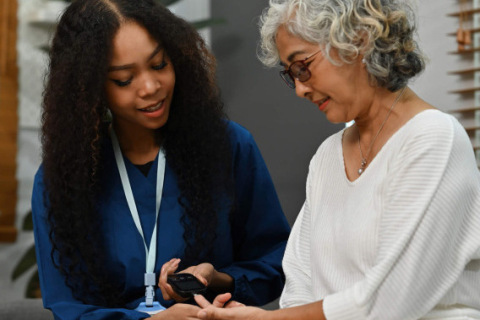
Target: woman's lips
154, 111
322, 104
153, 108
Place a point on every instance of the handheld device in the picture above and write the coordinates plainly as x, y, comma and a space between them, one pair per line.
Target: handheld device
185, 284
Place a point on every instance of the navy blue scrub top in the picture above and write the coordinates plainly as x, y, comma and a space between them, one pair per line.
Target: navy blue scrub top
254, 262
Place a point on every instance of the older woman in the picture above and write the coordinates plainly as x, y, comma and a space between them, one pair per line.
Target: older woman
390, 228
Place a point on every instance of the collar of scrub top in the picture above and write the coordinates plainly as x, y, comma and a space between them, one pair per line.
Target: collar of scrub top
150, 251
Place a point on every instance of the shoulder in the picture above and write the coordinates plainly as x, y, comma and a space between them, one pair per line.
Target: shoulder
238, 133
38, 193
38, 179
326, 155
447, 136
436, 128
328, 146
245, 151
241, 140
432, 117
433, 141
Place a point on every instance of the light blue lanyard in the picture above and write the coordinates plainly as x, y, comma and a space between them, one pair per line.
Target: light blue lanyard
127, 189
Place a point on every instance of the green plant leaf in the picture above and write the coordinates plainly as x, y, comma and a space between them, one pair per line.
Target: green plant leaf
26, 262
28, 222
208, 22
33, 287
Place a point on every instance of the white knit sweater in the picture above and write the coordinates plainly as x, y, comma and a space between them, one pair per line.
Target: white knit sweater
400, 242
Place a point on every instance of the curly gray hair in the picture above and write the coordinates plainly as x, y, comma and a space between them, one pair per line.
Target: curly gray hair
380, 30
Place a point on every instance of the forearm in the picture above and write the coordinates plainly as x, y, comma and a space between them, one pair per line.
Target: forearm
311, 311
221, 282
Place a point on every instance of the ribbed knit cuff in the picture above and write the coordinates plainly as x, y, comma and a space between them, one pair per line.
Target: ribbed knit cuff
342, 306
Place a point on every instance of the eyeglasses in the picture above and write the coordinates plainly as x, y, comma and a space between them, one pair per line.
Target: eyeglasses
297, 70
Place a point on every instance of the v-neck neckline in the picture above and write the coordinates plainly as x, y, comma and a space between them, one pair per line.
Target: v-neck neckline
380, 152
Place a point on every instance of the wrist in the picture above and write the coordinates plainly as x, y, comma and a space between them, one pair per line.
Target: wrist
267, 315
221, 281
310, 311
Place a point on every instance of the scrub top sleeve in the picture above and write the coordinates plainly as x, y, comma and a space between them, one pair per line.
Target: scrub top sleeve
260, 229
55, 294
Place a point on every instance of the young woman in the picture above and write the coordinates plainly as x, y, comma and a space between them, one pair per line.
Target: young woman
142, 172
390, 225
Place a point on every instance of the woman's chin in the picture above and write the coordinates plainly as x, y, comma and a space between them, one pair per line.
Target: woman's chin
335, 117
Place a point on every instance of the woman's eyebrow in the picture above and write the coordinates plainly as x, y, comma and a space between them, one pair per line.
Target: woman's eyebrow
129, 66
117, 68
154, 53
291, 57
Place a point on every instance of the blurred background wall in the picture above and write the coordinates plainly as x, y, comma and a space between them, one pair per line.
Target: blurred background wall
287, 129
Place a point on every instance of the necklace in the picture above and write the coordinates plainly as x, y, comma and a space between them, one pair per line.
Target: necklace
363, 164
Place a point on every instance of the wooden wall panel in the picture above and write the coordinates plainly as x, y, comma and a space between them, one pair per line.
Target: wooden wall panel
8, 119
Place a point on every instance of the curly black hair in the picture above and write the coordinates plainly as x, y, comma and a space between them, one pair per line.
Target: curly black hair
194, 138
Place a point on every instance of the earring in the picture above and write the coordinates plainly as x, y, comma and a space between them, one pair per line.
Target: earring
364, 61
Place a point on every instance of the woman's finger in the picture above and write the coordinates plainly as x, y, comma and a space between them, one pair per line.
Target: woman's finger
222, 299
201, 301
201, 279
168, 268
212, 313
174, 295
233, 304
219, 301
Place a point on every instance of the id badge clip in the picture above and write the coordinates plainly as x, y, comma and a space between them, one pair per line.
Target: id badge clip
150, 306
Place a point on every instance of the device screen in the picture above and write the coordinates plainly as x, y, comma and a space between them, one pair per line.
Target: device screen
185, 282
189, 285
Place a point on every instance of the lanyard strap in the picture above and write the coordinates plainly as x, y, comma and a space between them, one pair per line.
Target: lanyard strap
150, 251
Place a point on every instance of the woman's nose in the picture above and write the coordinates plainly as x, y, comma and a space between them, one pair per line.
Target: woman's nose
149, 85
301, 89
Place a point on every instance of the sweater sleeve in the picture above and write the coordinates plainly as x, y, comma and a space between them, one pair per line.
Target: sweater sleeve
428, 230
55, 294
259, 228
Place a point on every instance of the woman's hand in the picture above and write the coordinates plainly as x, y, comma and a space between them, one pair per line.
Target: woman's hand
221, 301
205, 272
178, 311
167, 291
221, 310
